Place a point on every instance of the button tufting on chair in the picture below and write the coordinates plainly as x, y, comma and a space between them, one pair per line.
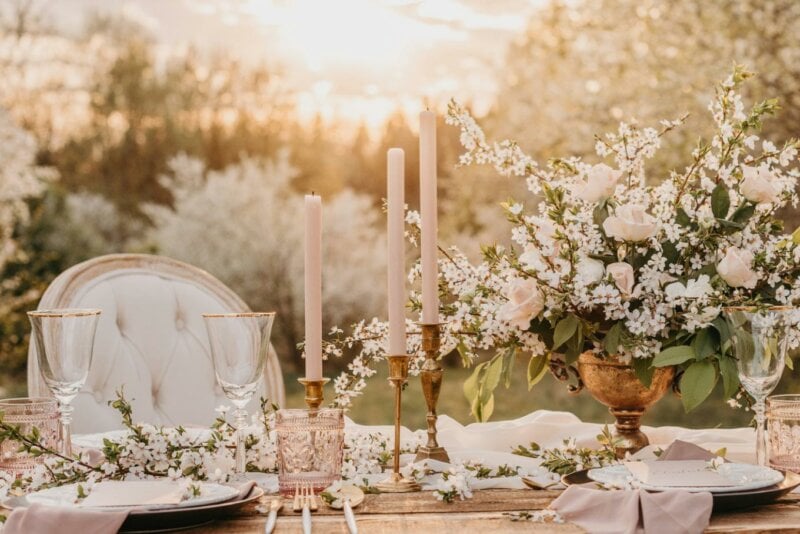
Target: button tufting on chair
156, 344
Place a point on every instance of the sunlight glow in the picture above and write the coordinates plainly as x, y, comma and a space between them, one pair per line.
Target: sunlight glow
342, 33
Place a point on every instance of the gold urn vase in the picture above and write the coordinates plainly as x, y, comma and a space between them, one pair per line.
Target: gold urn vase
616, 385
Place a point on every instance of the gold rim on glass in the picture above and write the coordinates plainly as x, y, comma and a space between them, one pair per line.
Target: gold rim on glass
66, 312
238, 314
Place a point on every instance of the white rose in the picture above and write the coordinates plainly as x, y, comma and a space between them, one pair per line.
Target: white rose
622, 274
757, 185
601, 180
735, 268
525, 302
630, 222
590, 270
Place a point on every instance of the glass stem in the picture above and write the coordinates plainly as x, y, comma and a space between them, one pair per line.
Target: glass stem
66, 410
240, 419
761, 438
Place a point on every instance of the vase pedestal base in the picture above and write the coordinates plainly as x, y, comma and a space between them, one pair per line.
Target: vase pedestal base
628, 436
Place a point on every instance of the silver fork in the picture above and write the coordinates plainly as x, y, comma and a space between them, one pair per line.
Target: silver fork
309, 502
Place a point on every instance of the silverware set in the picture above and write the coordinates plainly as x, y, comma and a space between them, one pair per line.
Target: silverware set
305, 501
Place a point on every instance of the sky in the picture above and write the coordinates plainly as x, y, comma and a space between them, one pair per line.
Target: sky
351, 60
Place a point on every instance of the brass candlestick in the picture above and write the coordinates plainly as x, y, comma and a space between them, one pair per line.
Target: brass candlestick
398, 375
431, 377
313, 392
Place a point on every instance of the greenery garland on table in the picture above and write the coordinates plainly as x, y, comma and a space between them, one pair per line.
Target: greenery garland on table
147, 451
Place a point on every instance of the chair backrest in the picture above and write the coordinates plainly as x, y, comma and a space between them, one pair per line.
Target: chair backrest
151, 339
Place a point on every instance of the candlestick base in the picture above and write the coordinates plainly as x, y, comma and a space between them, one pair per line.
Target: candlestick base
431, 377
432, 453
314, 392
396, 483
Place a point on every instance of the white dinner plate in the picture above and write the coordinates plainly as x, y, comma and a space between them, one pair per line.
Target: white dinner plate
65, 496
745, 477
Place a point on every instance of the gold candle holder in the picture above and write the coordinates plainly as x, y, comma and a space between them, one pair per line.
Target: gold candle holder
398, 376
313, 392
431, 377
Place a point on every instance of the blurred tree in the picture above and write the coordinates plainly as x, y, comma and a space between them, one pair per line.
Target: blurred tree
244, 224
315, 152
581, 67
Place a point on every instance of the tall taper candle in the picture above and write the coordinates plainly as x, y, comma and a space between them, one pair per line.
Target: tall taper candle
313, 287
395, 183
428, 205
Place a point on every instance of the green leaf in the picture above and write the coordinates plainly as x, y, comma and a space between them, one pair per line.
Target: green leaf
565, 329
697, 383
730, 375
611, 341
796, 236
537, 369
509, 358
600, 214
704, 343
744, 212
720, 201
673, 356
670, 252
491, 379
729, 226
682, 218
643, 367
487, 409
574, 346
471, 385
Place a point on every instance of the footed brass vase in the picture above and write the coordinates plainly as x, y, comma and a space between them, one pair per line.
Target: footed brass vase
616, 385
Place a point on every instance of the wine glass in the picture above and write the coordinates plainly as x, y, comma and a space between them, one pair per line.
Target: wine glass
759, 342
239, 348
64, 341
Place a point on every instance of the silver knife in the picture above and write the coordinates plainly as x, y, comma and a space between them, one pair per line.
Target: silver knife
306, 518
349, 517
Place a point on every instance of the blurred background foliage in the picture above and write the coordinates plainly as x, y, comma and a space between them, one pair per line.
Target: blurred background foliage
203, 157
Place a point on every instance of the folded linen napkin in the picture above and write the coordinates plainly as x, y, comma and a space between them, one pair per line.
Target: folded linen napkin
634, 511
43, 519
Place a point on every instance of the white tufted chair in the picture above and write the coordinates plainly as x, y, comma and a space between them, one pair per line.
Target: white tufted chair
151, 338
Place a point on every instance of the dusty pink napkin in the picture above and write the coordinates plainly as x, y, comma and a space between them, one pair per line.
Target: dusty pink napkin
634, 511
43, 519
639, 511
683, 450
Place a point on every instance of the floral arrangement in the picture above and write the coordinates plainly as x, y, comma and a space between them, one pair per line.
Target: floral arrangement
608, 259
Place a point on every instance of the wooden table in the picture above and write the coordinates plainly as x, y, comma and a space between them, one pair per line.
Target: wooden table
485, 512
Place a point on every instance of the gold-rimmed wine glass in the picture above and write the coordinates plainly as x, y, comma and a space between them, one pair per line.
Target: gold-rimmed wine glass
64, 341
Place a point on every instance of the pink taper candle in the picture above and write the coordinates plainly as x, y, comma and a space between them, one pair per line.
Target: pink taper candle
396, 260
428, 205
313, 287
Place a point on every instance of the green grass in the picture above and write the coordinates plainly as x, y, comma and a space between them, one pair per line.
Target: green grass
375, 406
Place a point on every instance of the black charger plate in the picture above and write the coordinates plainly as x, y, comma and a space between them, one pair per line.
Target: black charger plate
723, 502
182, 518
